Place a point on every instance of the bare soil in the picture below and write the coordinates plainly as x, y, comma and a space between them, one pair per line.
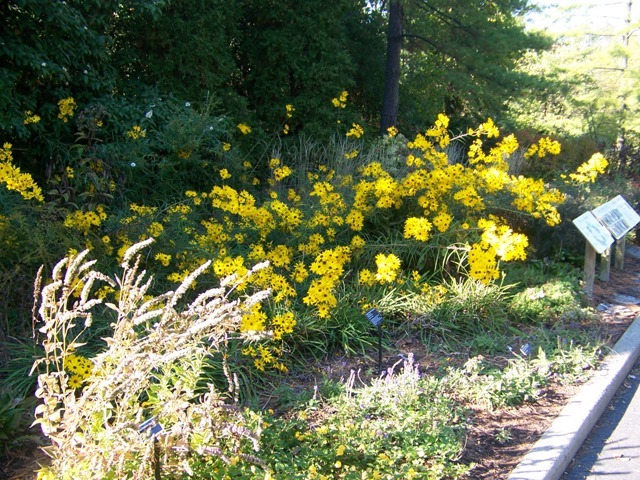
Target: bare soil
496, 440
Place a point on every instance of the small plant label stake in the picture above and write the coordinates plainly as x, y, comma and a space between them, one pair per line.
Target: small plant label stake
375, 318
154, 428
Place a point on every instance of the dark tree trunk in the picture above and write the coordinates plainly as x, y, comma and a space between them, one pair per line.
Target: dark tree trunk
389, 114
621, 144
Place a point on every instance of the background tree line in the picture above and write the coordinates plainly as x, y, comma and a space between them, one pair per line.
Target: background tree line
253, 57
401, 61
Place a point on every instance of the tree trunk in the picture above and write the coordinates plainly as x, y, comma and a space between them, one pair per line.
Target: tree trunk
389, 114
621, 146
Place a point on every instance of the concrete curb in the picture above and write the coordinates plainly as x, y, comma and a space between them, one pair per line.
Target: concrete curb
550, 456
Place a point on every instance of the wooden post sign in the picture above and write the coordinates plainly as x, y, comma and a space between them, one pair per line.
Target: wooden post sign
605, 225
598, 241
619, 218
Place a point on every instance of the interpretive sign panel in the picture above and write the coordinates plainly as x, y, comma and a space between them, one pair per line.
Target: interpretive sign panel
618, 216
595, 233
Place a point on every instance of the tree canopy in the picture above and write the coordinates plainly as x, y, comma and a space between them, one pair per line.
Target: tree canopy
596, 69
457, 57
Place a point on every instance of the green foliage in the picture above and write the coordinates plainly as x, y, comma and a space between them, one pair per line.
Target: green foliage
187, 49
398, 427
50, 50
442, 45
592, 80
15, 419
295, 52
552, 301
518, 382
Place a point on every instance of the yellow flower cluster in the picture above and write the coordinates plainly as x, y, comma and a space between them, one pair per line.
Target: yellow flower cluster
244, 128
83, 221
136, 132
14, 179
352, 154
418, 228
280, 173
388, 267
483, 265
356, 131
506, 244
66, 107
439, 131
289, 109
311, 234
163, 258
329, 266
264, 357
544, 146
79, 369
253, 321
30, 117
589, 170
532, 196
341, 101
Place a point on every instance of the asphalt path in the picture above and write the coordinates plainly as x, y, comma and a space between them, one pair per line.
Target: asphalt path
612, 449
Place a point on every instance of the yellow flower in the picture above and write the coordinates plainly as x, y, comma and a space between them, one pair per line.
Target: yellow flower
341, 101
545, 145
274, 162
281, 173
290, 110
163, 258
136, 132
356, 131
589, 170
244, 128
392, 131
418, 228
30, 117
66, 107
224, 174
340, 450
155, 229
388, 267
226, 146
75, 381
14, 179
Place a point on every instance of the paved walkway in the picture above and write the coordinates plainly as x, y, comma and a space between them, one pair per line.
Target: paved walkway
554, 452
597, 434
612, 449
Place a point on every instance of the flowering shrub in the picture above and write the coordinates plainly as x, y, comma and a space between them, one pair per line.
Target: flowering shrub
329, 230
14, 179
365, 220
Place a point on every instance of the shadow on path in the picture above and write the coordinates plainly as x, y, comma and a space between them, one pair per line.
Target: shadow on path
612, 436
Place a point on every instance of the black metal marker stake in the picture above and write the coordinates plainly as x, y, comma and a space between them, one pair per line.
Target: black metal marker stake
379, 348
376, 319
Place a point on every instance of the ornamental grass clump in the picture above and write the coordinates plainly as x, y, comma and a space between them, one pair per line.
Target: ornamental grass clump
151, 370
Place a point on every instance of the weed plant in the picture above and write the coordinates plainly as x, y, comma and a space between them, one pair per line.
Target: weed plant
94, 411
